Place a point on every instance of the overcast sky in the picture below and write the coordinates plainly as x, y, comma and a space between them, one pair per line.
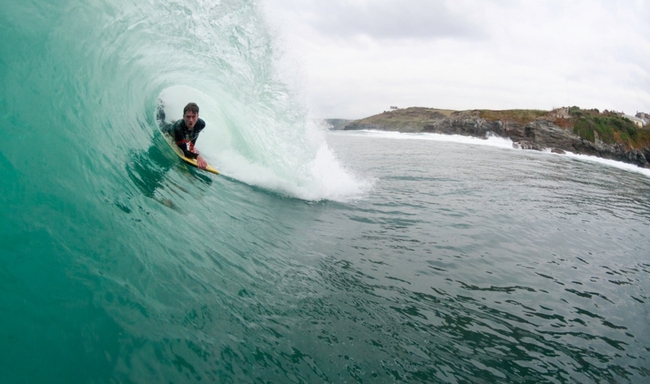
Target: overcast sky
356, 58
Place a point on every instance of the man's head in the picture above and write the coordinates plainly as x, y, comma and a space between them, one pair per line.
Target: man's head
190, 114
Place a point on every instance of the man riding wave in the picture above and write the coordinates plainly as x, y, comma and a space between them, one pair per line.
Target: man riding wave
186, 131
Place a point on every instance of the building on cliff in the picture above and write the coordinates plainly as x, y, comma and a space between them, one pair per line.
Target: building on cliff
637, 121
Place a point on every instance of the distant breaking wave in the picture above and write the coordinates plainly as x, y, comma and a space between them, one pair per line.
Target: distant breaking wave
492, 141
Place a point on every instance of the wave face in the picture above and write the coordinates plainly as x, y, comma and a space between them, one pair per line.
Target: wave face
111, 244
91, 73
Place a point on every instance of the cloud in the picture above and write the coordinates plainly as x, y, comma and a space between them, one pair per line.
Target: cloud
387, 19
361, 56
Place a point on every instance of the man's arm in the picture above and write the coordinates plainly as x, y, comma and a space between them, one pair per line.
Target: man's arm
189, 154
200, 161
181, 142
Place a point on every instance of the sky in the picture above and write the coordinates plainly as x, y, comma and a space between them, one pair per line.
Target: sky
356, 58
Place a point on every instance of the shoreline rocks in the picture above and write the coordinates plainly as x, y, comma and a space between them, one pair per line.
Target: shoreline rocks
539, 134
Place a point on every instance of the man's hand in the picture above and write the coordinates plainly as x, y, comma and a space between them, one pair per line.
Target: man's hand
200, 161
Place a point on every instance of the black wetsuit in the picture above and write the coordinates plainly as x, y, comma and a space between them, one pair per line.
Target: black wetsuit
185, 138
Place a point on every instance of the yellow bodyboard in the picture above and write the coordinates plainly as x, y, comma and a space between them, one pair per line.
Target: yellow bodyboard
180, 154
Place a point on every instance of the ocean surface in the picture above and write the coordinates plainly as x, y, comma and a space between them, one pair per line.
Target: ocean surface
317, 256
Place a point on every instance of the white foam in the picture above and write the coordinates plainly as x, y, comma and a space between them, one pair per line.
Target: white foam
491, 141
610, 163
258, 147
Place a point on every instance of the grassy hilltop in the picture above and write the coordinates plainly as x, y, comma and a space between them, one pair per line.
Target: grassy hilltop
588, 124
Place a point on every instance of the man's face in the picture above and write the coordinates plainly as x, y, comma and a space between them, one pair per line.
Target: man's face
190, 119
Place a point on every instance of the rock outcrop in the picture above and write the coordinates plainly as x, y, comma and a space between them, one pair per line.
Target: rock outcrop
540, 134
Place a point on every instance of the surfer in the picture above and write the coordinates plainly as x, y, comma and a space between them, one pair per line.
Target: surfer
186, 131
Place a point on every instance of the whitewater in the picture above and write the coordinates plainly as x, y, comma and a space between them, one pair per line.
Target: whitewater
316, 256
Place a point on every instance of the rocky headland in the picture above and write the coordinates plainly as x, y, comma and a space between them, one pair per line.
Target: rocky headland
604, 134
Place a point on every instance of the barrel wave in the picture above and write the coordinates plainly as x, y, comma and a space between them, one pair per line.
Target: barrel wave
315, 256
115, 252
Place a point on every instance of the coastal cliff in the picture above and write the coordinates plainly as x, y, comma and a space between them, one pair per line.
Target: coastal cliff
608, 134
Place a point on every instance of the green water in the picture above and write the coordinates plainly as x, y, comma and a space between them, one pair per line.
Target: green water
316, 257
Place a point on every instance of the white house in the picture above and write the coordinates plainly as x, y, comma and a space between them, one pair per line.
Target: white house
644, 116
639, 122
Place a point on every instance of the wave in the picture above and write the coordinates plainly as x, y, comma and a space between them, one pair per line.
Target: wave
105, 231
93, 72
492, 141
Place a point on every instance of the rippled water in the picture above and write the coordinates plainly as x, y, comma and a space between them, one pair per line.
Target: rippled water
481, 264
463, 263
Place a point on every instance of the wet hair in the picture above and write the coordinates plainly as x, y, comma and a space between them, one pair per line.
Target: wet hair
191, 107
